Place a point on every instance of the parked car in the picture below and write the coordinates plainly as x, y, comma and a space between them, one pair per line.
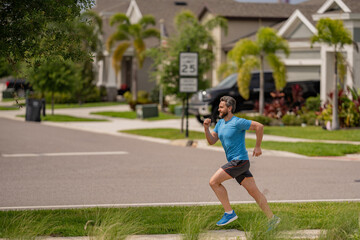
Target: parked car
19, 86
204, 104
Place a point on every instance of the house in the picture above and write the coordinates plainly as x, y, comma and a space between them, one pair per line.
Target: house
244, 19
308, 62
296, 23
164, 10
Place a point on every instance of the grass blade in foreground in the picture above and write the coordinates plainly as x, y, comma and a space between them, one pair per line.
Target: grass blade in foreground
338, 217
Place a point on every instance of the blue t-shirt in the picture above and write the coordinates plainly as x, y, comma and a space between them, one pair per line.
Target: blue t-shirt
232, 137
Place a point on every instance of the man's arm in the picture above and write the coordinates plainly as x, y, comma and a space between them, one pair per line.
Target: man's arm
210, 137
259, 129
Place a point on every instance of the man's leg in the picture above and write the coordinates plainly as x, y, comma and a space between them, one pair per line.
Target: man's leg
220, 191
250, 185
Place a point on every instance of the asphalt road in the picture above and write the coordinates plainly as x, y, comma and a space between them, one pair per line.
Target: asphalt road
123, 170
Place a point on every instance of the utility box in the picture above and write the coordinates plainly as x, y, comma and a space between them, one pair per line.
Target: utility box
33, 110
147, 111
178, 110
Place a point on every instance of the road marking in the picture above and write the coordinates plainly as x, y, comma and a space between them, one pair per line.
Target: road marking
68, 154
125, 205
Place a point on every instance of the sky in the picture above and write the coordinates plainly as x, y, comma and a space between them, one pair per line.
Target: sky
271, 1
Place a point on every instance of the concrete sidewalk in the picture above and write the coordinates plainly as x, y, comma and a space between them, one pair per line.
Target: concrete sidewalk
113, 125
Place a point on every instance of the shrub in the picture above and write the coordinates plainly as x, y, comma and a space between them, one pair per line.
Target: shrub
309, 118
142, 98
261, 119
349, 110
292, 120
313, 103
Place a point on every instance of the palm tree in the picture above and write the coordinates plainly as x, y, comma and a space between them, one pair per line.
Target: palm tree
333, 33
131, 35
250, 54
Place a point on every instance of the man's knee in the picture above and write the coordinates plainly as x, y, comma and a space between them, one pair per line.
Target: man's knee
214, 183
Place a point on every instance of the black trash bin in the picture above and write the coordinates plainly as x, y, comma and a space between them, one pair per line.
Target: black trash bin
33, 110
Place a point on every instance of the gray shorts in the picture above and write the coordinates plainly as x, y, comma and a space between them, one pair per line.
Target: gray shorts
238, 169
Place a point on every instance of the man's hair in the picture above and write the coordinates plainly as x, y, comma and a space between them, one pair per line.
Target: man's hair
229, 101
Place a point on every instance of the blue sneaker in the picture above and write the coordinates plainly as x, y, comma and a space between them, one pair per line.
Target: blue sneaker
227, 218
273, 222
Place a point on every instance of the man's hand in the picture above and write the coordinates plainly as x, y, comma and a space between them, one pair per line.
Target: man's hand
207, 123
257, 152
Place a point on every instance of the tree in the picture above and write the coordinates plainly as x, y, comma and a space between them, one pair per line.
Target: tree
131, 35
89, 28
37, 29
250, 54
54, 76
191, 35
333, 33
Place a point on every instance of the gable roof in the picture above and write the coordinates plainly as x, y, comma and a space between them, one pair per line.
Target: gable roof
339, 9
334, 6
346, 6
295, 20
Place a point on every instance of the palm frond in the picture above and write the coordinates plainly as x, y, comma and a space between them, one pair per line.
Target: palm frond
135, 30
140, 48
147, 20
118, 54
244, 75
279, 71
242, 49
151, 32
120, 18
226, 69
269, 42
117, 36
185, 18
94, 17
217, 22
332, 32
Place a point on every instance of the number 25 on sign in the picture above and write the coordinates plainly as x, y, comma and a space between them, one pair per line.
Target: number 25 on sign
188, 64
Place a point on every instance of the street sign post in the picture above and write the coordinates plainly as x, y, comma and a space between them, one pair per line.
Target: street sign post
188, 71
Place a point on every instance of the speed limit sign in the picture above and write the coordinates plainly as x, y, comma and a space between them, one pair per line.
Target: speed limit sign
188, 64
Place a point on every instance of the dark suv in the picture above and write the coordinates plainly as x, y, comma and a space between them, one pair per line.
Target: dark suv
204, 104
20, 86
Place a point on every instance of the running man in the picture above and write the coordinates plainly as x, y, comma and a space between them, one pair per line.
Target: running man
231, 132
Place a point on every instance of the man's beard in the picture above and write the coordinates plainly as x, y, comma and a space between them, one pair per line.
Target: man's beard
223, 115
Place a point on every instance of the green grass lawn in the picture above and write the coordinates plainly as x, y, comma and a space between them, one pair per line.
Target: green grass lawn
312, 132
66, 118
307, 148
303, 148
70, 105
339, 218
132, 115
10, 108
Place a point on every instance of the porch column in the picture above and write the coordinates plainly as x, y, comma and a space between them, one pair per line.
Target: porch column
327, 73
